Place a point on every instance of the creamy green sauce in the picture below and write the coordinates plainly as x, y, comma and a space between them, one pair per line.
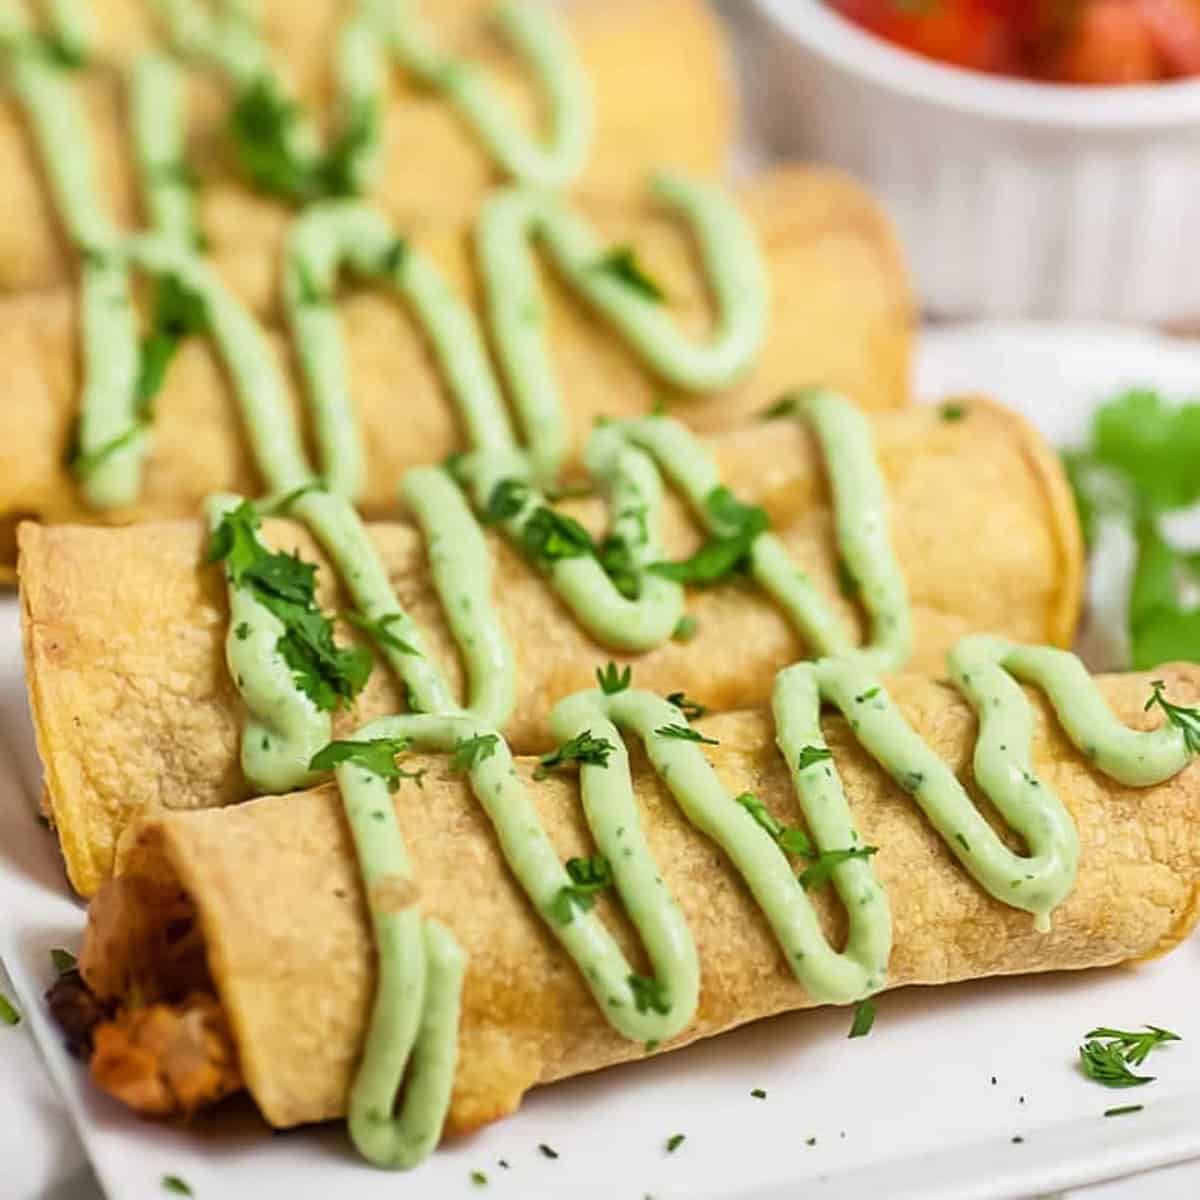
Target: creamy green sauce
511, 220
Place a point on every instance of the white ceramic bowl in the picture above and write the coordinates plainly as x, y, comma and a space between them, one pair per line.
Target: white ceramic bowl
1012, 198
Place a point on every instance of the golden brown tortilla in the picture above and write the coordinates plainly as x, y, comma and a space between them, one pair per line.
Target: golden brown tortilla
277, 896
124, 629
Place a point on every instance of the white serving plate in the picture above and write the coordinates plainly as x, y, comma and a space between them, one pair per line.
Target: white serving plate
920, 1117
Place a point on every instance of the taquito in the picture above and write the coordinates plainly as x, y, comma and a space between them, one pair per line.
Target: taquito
124, 629
265, 898
840, 317
433, 172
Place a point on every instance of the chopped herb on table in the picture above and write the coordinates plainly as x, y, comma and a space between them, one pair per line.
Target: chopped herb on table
9, 1014
176, 1186
547, 1151
1123, 1110
675, 1141
759, 1094
864, 1019
479, 1179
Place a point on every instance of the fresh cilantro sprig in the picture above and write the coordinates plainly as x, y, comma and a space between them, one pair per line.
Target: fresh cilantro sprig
722, 553
1138, 464
262, 127
583, 748
685, 733
588, 877
650, 995
470, 752
377, 755
1186, 720
329, 674
611, 680
811, 755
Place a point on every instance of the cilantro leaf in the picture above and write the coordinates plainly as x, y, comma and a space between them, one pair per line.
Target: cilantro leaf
650, 995
329, 674
470, 752
819, 873
548, 536
810, 755
377, 755
1186, 720
588, 876
690, 709
724, 552
611, 680
621, 264
507, 499
685, 734
583, 748
1105, 1063
791, 840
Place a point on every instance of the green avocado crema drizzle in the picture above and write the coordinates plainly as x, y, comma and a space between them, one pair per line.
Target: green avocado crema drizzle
418, 996
280, 147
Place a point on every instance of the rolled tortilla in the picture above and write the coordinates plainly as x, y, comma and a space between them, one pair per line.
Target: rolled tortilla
434, 173
840, 316
295, 977
125, 629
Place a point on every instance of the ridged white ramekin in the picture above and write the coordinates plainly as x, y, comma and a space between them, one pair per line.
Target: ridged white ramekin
1012, 198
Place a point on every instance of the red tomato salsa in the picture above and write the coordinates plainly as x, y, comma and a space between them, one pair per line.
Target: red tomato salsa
1067, 41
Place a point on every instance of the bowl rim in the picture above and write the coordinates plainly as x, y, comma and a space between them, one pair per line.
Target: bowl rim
1050, 105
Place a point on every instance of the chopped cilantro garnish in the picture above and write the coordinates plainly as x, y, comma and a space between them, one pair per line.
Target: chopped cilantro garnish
611, 680
377, 755
508, 497
812, 754
650, 995
690, 709
9, 1015
952, 412
242, 631
758, 1094
548, 536
588, 876
1134, 1045
616, 557
62, 960
1186, 720
864, 1018
378, 628
685, 628
685, 734
479, 1179
722, 553
329, 674
791, 840
674, 1142
819, 873
176, 1186
263, 130
1105, 1063
583, 748
1123, 1110
622, 264
470, 752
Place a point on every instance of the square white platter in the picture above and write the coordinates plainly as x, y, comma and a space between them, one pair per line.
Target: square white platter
909, 1112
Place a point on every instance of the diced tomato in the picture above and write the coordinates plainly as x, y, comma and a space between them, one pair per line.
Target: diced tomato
1174, 27
1072, 41
1110, 43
